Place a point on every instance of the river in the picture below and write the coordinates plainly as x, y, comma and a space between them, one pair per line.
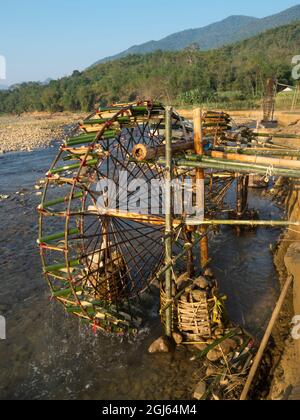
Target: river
49, 355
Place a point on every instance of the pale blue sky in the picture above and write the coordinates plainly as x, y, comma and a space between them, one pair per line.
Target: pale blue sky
51, 38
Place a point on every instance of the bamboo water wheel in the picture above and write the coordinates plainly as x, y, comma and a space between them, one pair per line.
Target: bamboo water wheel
97, 255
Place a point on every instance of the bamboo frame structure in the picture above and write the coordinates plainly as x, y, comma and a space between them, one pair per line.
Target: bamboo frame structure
226, 165
200, 178
91, 266
169, 221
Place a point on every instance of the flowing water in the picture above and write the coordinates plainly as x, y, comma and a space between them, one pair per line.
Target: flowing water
49, 355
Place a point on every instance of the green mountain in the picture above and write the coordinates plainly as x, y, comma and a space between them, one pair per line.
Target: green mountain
216, 35
233, 74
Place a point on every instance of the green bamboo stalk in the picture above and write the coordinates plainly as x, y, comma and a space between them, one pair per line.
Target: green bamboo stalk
64, 293
62, 200
104, 120
56, 236
71, 167
217, 343
109, 134
77, 310
82, 137
226, 165
61, 266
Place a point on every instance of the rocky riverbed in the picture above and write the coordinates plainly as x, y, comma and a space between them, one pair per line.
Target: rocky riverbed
34, 131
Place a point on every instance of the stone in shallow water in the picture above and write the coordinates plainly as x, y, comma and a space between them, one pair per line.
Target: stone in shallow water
223, 349
214, 355
202, 282
200, 346
211, 370
177, 338
198, 295
200, 391
228, 345
161, 345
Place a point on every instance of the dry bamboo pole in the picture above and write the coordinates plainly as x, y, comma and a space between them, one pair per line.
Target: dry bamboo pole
200, 179
137, 217
193, 221
259, 151
266, 339
227, 165
169, 221
239, 200
245, 192
278, 135
142, 152
260, 160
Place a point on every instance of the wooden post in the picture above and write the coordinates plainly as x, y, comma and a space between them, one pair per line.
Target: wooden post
266, 338
239, 200
200, 177
169, 227
245, 192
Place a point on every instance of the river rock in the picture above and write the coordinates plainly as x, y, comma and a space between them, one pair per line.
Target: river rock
224, 348
198, 295
182, 280
211, 370
184, 299
219, 333
201, 282
200, 346
209, 273
177, 337
228, 345
200, 391
161, 345
4, 197
214, 355
2, 152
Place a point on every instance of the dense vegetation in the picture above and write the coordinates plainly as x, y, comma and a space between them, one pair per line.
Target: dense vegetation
233, 74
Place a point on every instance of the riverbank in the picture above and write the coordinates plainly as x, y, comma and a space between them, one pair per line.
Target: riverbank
286, 380
35, 130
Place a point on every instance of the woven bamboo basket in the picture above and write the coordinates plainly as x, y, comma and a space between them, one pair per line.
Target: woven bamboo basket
194, 319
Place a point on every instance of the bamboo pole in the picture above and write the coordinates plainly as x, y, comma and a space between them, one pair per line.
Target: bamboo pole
186, 248
136, 217
200, 179
278, 135
169, 226
266, 338
193, 221
240, 167
142, 152
260, 160
259, 151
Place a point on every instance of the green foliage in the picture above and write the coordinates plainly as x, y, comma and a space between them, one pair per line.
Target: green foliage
234, 74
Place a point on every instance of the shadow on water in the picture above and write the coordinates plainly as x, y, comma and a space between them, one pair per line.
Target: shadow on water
48, 355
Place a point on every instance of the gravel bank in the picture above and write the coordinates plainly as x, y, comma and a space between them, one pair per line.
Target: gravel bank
32, 131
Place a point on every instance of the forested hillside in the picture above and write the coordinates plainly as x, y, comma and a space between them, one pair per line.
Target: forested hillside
232, 73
